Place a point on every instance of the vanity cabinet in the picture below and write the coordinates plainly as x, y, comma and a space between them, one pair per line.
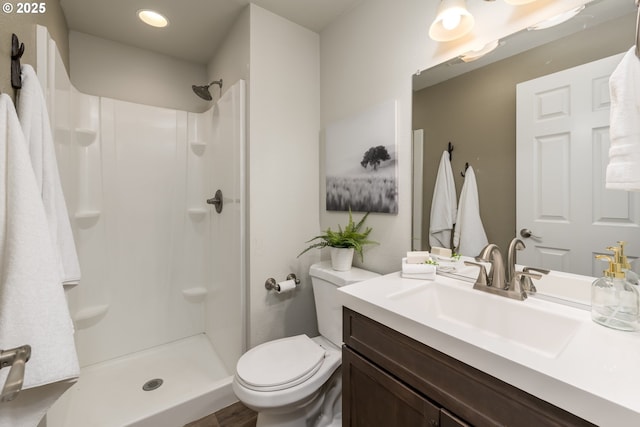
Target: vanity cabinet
392, 380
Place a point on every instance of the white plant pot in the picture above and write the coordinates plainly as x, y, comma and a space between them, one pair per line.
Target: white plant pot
341, 258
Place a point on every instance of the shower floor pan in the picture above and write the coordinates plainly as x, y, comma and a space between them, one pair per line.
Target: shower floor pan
194, 383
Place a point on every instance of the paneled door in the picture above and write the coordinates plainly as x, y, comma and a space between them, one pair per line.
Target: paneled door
565, 215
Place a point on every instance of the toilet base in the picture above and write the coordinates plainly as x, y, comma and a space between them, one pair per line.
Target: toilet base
323, 410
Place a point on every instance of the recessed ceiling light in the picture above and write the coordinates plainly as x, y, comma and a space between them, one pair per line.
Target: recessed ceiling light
153, 18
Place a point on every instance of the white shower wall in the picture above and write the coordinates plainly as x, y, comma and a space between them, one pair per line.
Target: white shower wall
225, 170
158, 263
153, 248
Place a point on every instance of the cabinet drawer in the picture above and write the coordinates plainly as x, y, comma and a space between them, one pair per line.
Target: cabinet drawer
475, 396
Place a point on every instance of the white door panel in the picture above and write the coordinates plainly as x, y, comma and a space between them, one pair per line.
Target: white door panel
562, 154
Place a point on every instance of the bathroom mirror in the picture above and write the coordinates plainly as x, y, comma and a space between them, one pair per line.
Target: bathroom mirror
482, 126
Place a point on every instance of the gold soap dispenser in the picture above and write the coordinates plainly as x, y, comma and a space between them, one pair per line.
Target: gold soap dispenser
615, 298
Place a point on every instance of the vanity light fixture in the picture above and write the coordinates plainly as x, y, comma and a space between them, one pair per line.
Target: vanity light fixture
153, 18
475, 54
556, 20
453, 21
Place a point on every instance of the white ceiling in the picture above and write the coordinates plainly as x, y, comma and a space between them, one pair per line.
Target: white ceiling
196, 27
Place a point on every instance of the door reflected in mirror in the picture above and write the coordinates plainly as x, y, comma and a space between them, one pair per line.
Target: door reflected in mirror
473, 106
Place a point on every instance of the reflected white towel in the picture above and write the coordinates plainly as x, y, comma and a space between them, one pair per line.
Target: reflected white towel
623, 171
32, 111
33, 308
469, 237
443, 205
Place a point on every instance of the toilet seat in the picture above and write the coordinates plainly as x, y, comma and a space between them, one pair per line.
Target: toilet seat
280, 364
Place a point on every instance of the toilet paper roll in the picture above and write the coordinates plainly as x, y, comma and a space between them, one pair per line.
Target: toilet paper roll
286, 286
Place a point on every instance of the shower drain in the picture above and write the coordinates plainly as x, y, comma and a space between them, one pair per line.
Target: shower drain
152, 384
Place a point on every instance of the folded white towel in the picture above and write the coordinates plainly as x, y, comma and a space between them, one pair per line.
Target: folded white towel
469, 237
33, 307
418, 271
623, 171
32, 111
443, 205
408, 268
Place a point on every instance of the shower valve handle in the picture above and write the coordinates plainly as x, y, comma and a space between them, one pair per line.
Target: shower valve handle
216, 201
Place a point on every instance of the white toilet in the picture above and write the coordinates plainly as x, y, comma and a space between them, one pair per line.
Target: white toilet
295, 381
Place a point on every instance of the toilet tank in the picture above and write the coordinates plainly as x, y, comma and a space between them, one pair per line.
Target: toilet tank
326, 282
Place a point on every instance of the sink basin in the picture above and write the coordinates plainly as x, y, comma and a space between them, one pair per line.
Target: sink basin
488, 320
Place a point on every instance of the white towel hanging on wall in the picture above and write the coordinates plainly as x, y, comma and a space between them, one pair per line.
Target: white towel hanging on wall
33, 307
443, 205
469, 237
34, 118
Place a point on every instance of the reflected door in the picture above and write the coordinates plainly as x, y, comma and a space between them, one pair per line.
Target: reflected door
565, 215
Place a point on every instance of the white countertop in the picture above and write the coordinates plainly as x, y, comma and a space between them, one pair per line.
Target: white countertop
596, 375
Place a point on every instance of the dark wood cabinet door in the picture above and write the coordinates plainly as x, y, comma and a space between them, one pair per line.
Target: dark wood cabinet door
447, 419
372, 398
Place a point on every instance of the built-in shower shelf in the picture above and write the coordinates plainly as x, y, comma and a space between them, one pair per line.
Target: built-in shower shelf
86, 218
89, 316
85, 136
197, 214
198, 147
196, 294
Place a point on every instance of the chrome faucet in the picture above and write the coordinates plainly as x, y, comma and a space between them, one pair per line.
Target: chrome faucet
491, 253
500, 280
515, 245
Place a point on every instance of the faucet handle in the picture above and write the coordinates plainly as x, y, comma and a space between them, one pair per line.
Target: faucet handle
482, 280
537, 270
526, 274
525, 277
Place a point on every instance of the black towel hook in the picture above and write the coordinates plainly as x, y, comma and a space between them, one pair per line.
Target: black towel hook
450, 150
466, 166
17, 49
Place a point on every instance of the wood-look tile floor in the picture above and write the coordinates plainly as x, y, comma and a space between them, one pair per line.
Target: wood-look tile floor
236, 415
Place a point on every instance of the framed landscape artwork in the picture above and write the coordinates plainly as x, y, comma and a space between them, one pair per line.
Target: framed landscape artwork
360, 165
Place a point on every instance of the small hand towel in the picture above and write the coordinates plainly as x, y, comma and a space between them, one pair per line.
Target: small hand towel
418, 271
33, 307
34, 118
443, 205
623, 170
469, 237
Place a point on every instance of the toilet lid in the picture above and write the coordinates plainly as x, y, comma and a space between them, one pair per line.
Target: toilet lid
280, 364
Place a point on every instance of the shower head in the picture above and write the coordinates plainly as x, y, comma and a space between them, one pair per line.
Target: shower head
203, 91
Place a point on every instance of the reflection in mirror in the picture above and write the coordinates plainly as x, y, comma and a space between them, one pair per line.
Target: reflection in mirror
473, 106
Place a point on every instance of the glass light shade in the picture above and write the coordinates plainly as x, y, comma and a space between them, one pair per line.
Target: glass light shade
556, 20
453, 21
153, 18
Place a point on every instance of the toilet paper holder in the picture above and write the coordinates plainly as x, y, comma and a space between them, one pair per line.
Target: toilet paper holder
271, 285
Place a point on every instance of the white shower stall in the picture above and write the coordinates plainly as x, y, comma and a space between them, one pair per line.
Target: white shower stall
160, 312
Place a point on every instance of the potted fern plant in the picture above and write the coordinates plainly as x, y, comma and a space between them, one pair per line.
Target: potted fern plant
344, 242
